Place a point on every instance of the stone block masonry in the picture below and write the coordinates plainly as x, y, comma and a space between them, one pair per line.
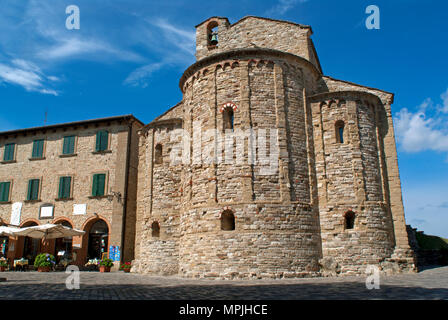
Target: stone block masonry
332, 204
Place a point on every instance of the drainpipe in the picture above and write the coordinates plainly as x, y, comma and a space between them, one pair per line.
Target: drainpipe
125, 196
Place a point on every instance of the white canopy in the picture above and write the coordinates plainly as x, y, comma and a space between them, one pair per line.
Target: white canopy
48, 231
7, 231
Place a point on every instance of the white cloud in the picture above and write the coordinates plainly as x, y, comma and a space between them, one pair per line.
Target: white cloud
444, 97
283, 6
140, 76
174, 45
25, 74
85, 49
424, 129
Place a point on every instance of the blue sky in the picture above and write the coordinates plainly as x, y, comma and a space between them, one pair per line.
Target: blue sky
128, 56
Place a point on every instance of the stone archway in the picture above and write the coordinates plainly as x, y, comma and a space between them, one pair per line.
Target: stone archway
92, 234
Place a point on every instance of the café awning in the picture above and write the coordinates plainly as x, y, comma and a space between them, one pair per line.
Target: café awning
8, 231
48, 231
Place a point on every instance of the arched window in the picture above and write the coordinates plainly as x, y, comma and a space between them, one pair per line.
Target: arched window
227, 220
349, 220
158, 157
339, 127
212, 33
155, 227
227, 117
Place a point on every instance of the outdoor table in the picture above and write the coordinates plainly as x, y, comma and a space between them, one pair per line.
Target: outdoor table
20, 264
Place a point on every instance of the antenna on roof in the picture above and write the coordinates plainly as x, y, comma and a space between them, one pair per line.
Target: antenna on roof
46, 115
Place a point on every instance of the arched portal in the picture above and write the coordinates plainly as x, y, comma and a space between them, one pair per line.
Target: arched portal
98, 235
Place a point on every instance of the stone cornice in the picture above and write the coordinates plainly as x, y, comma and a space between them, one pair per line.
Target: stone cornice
346, 95
159, 123
246, 53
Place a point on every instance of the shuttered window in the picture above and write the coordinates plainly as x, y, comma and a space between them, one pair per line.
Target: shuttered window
4, 191
33, 189
99, 184
69, 145
102, 140
65, 183
38, 148
9, 152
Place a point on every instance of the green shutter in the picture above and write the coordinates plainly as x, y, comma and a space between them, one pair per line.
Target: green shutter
33, 189
30, 185
38, 148
98, 184
102, 140
101, 184
65, 147
95, 185
61, 187
69, 145
9, 152
67, 186
4, 191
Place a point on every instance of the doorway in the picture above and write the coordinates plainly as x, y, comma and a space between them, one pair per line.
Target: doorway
98, 240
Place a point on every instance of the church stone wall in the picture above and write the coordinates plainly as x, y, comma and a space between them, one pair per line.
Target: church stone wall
290, 221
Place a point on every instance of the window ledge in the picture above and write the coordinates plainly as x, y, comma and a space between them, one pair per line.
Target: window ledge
68, 155
35, 159
8, 161
32, 201
102, 152
98, 197
63, 199
5, 202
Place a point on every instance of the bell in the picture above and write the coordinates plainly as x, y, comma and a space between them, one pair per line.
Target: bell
214, 39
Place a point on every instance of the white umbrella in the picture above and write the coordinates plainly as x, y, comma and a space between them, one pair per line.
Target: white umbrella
8, 231
48, 231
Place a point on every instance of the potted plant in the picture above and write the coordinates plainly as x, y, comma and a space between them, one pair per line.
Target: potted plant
3, 265
105, 265
44, 262
126, 267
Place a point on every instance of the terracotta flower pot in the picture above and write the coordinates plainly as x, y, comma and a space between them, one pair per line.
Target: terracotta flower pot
2, 268
104, 269
43, 269
127, 270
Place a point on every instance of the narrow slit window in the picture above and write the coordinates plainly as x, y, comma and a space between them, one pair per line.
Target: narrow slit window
158, 155
227, 220
228, 118
339, 126
349, 220
155, 227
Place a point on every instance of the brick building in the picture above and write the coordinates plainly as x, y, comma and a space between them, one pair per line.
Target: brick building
80, 174
332, 203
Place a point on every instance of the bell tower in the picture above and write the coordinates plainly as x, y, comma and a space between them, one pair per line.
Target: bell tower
208, 35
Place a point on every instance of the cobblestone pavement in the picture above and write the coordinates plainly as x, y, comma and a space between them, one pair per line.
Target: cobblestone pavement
428, 284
